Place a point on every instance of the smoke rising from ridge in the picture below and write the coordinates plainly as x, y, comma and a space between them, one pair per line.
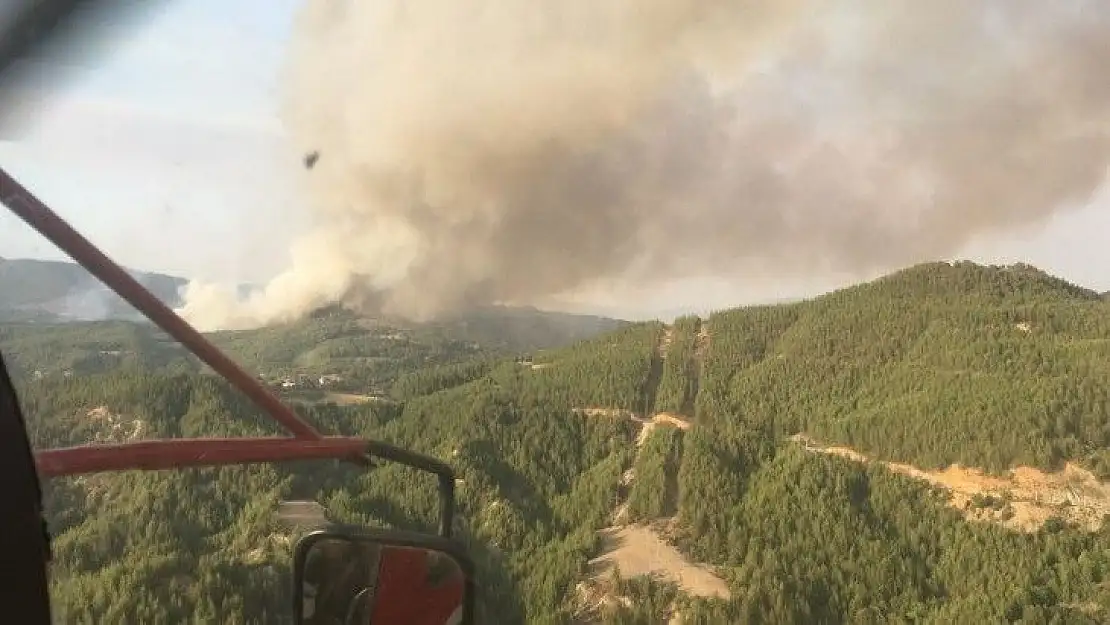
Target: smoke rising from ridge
513, 150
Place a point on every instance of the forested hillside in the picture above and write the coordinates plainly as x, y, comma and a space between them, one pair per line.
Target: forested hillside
354, 352
987, 367
40, 300
686, 432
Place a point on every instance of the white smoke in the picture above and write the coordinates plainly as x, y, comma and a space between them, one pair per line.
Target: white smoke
511, 150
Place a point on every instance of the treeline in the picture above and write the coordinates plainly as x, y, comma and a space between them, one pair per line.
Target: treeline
435, 379
654, 492
612, 371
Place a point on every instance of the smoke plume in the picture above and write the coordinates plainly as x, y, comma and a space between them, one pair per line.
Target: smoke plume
513, 150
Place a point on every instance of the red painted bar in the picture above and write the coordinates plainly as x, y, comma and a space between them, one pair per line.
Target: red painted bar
193, 452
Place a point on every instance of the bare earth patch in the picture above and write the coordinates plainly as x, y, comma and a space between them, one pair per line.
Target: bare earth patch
618, 413
1023, 499
666, 418
302, 513
115, 428
349, 399
636, 550
660, 418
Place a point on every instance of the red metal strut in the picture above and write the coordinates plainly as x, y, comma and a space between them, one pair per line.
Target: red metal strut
195, 452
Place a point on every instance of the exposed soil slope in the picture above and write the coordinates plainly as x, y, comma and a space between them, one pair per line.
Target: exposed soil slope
1023, 500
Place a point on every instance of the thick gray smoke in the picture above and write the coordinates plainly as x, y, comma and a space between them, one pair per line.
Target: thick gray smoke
512, 150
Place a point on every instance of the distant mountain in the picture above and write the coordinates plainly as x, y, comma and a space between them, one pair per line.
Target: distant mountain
57, 291
62, 291
56, 317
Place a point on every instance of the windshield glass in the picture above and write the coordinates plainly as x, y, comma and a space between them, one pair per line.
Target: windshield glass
779, 312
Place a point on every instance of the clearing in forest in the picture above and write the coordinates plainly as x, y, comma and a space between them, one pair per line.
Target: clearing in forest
349, 399
637, 550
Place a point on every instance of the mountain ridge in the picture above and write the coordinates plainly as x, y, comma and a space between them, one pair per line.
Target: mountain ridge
60, 291
65, 291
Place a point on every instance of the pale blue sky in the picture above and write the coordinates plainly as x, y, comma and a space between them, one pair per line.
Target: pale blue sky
169, 153
164, 149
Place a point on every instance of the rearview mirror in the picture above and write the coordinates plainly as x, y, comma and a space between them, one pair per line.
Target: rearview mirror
367, 577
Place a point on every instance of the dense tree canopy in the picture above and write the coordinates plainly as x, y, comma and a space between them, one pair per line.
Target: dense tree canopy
985, 366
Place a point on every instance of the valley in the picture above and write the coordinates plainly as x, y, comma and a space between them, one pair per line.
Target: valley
929, 447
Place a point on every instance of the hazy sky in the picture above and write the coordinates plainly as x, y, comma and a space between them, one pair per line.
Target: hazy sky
169, 153
167, 149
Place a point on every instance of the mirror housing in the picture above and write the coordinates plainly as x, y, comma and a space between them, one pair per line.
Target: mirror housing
360, 576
